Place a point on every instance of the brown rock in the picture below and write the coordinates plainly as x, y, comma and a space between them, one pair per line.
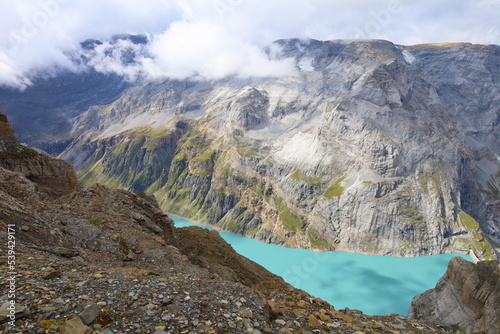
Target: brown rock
174, 308
342, 316
313, 320
76, 326
66, 252
302, 303
6, 131
325, 317
246, 313
271, 307
52, 275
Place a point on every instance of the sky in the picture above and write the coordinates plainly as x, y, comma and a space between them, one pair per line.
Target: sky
211, 39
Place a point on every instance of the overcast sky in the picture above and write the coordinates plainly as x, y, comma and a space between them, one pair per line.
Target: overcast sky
214, 38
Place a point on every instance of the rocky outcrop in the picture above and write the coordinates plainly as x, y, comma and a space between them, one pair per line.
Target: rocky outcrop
52, 177
7, 134
205, 248
467, 296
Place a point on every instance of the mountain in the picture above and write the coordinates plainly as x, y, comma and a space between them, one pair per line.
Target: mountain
101, 260
371, 147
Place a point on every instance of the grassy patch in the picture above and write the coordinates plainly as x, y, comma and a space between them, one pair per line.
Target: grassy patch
289, 219
52, 323
411, 210
335, 189
429, 183
96, 222
201, 172
317, 240
247, 150
468, 221
196, 142
257, 190
182, 155
205, 156
299, 176
90, 175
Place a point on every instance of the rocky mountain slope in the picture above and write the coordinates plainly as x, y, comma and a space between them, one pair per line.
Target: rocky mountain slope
102, 260
371, 147
52, 178
468, 297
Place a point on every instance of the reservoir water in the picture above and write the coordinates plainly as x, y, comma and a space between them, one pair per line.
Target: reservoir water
376, 285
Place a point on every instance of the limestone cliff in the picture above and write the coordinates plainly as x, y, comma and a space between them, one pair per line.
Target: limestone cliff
467, 296
362, 150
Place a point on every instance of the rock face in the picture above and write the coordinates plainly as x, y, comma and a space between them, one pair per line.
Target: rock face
7, 134
366, 149
467, 296
52, 177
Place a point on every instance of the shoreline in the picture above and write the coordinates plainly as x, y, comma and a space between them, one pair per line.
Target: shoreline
170, 214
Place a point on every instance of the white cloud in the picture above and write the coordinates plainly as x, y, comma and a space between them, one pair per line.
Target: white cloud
209, 51
116, 57
212, 38
9, 76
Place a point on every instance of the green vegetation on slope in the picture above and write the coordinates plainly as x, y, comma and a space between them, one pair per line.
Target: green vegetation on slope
317, 240
299, 176
289, 219
477, 242
335, 189
468, 221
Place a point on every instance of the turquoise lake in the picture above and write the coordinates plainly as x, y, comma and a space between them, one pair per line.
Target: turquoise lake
376, 285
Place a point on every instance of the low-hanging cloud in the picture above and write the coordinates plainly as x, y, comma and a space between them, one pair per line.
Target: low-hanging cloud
215, 38
208, 51
198, 50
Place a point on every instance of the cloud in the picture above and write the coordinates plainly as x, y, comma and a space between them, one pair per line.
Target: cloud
9, 76
118, 56
208, 51
213, 38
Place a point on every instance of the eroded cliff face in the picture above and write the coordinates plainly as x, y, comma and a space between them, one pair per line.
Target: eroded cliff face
52, 177
467, 296
362, 150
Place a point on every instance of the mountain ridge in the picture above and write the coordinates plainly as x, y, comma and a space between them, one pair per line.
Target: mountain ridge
366, 149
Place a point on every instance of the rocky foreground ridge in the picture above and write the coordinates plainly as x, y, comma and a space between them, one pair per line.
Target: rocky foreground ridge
467, 296
370, 147
102, 260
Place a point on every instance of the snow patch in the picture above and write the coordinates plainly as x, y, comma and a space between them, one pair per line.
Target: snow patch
303, 149
408, 56
156, 121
